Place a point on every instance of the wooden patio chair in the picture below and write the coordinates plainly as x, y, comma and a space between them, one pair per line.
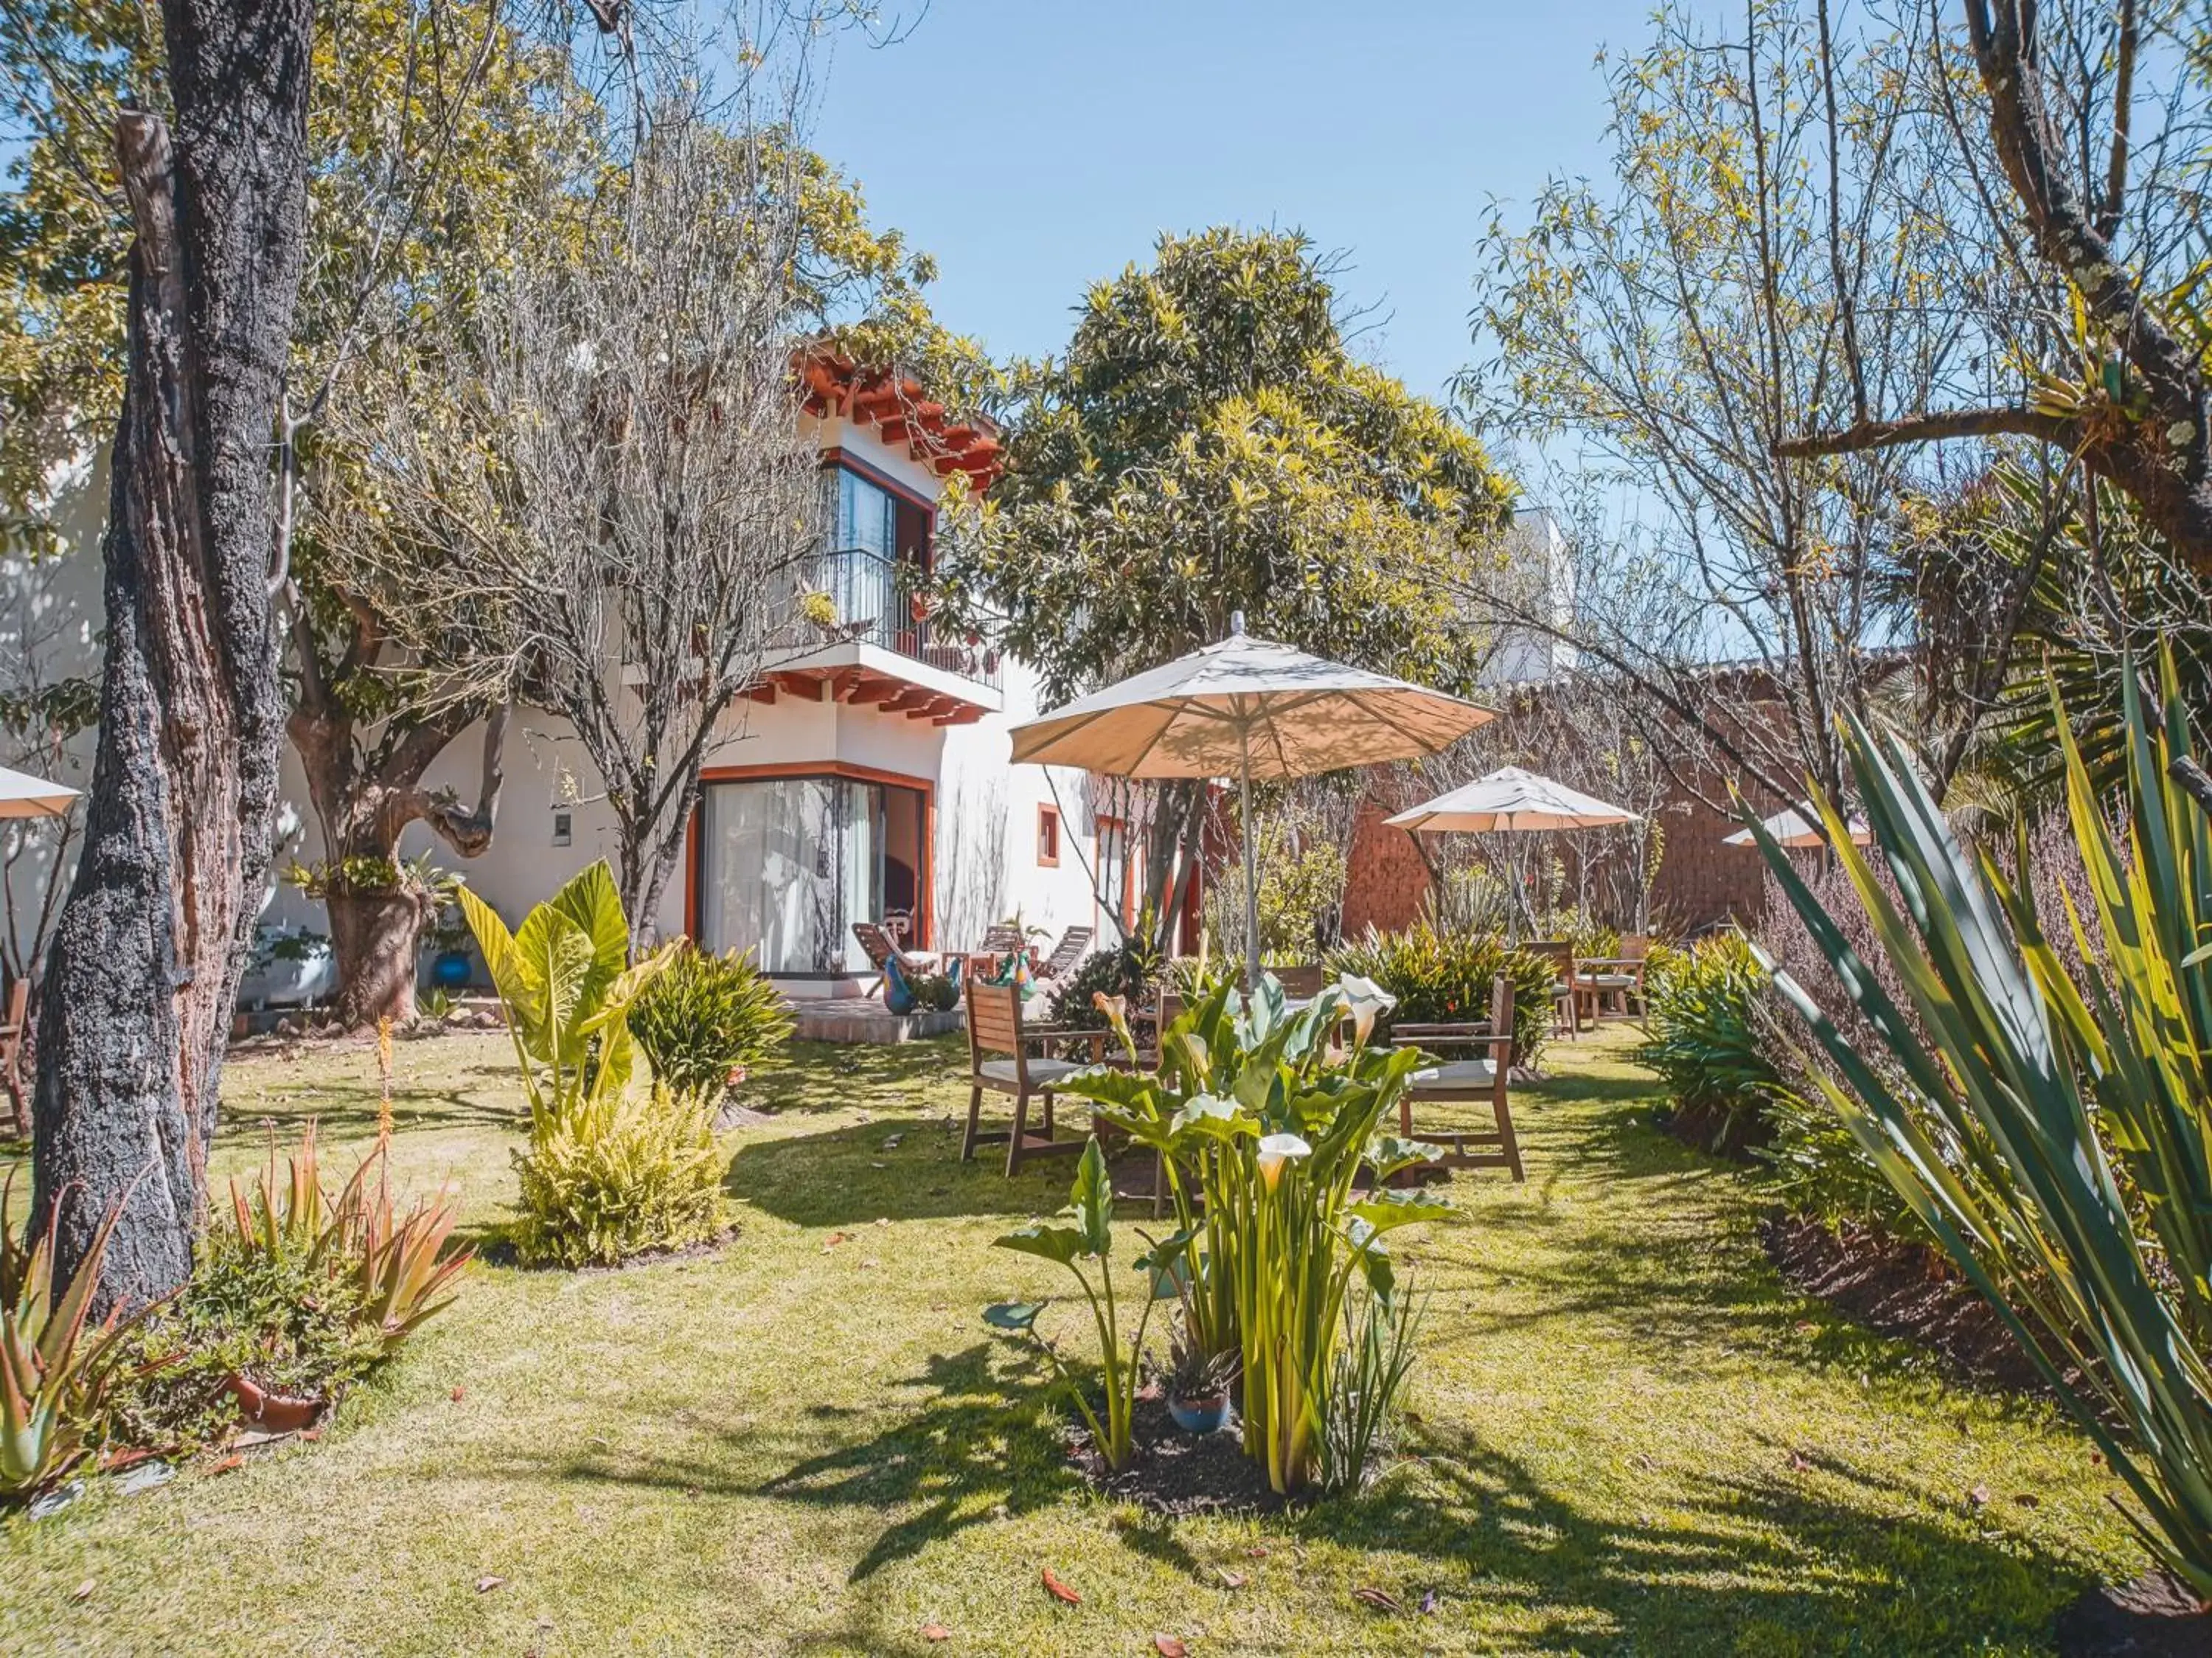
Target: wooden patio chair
1569, 996
1615, 980
1074, 945
14, 1110
877, 943
1479, 1078
1000, 1060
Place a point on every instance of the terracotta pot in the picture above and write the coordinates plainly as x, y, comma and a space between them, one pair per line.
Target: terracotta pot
1207, 1414
273, 1413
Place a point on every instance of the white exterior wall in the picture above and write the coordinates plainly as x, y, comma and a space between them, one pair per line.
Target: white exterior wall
983, 856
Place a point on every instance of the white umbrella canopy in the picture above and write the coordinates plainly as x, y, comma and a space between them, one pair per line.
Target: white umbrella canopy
1247, 708
1798, 828
1510, 799
23, 796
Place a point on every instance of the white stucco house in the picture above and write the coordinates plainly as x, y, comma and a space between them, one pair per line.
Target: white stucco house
866, 780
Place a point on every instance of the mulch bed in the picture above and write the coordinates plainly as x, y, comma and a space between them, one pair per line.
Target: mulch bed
1899, 1287
2151, 1618
1176, 1473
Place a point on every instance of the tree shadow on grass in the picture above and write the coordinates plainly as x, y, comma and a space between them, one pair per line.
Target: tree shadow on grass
972, 1452
1809, 1563
851, 1176
810, 1076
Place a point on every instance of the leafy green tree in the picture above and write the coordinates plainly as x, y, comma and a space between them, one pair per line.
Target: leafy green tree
1208, 444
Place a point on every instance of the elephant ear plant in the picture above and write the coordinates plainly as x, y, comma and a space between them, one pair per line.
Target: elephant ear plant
1265, 1118
1090, 1239
566, 985
607, 1175
2053, 1130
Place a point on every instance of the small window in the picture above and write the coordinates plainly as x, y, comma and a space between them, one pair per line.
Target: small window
1048, 837
563, 828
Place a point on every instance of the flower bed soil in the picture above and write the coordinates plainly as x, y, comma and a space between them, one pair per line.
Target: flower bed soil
1899, 1287
1176, 1473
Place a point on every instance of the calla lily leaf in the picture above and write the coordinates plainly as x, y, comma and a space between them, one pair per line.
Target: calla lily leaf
1012, 1315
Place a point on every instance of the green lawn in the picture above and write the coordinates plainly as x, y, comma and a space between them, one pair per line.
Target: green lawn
1630, 1436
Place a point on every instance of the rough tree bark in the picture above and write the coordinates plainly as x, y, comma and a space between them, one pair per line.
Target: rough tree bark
147, 956
364, 793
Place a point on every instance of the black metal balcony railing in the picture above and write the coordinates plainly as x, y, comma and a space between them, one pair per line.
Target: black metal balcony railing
864, 591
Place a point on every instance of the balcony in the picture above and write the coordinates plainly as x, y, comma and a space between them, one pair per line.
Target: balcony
877, 651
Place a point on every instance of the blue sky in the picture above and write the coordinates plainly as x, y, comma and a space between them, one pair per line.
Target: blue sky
1036, 145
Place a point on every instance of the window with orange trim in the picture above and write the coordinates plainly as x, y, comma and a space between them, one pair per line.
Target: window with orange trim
1117, 876
1049, 837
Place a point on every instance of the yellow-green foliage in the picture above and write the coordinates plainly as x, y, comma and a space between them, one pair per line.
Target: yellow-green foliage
617, 1175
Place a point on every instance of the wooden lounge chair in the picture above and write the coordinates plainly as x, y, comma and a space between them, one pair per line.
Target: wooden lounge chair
1074, 944
914, 964
1569, 998
998, 1059
14, 1110
1482, 1077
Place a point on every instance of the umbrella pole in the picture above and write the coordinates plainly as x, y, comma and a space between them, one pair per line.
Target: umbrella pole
1251, 859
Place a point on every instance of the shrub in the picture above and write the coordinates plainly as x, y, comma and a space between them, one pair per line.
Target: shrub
1116, 972
2096, 1251
705, 1016
1441, 978
1711, 1041
57, 1368
301, 1293
618, 1174
607, 1173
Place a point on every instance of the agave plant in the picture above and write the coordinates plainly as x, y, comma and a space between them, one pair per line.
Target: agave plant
56, 1367
2053, 1134
1265, 1120
565, 984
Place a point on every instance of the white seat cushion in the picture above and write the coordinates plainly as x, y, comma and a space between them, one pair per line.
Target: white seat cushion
1609, 981
1043, 1073
1458, 1074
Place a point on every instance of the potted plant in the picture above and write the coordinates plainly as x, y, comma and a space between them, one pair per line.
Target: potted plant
1198, 1384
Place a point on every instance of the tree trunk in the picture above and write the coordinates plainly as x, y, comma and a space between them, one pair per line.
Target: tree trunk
364, 802
375, 937
143, 973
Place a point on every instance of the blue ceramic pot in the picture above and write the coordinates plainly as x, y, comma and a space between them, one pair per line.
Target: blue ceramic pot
1200, 1416
450, 970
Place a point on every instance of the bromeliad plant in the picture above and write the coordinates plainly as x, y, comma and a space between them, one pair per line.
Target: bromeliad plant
1265, 1118
2053, 1131
1090, 1238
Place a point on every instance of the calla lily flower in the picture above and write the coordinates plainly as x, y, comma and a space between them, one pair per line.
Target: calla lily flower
1116, 1009
1277, 1150
1367, 1002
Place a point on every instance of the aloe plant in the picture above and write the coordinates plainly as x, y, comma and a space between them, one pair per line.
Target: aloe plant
2054, 1134
566, 984
56, 1366
1266, 1118
1091, 1204
395, 1257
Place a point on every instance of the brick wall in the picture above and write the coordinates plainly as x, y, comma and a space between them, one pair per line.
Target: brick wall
1385, 881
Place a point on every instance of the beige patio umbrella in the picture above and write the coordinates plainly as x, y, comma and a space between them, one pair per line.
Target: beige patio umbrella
1247, 708
1510, 799
1795, 827
23, 796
